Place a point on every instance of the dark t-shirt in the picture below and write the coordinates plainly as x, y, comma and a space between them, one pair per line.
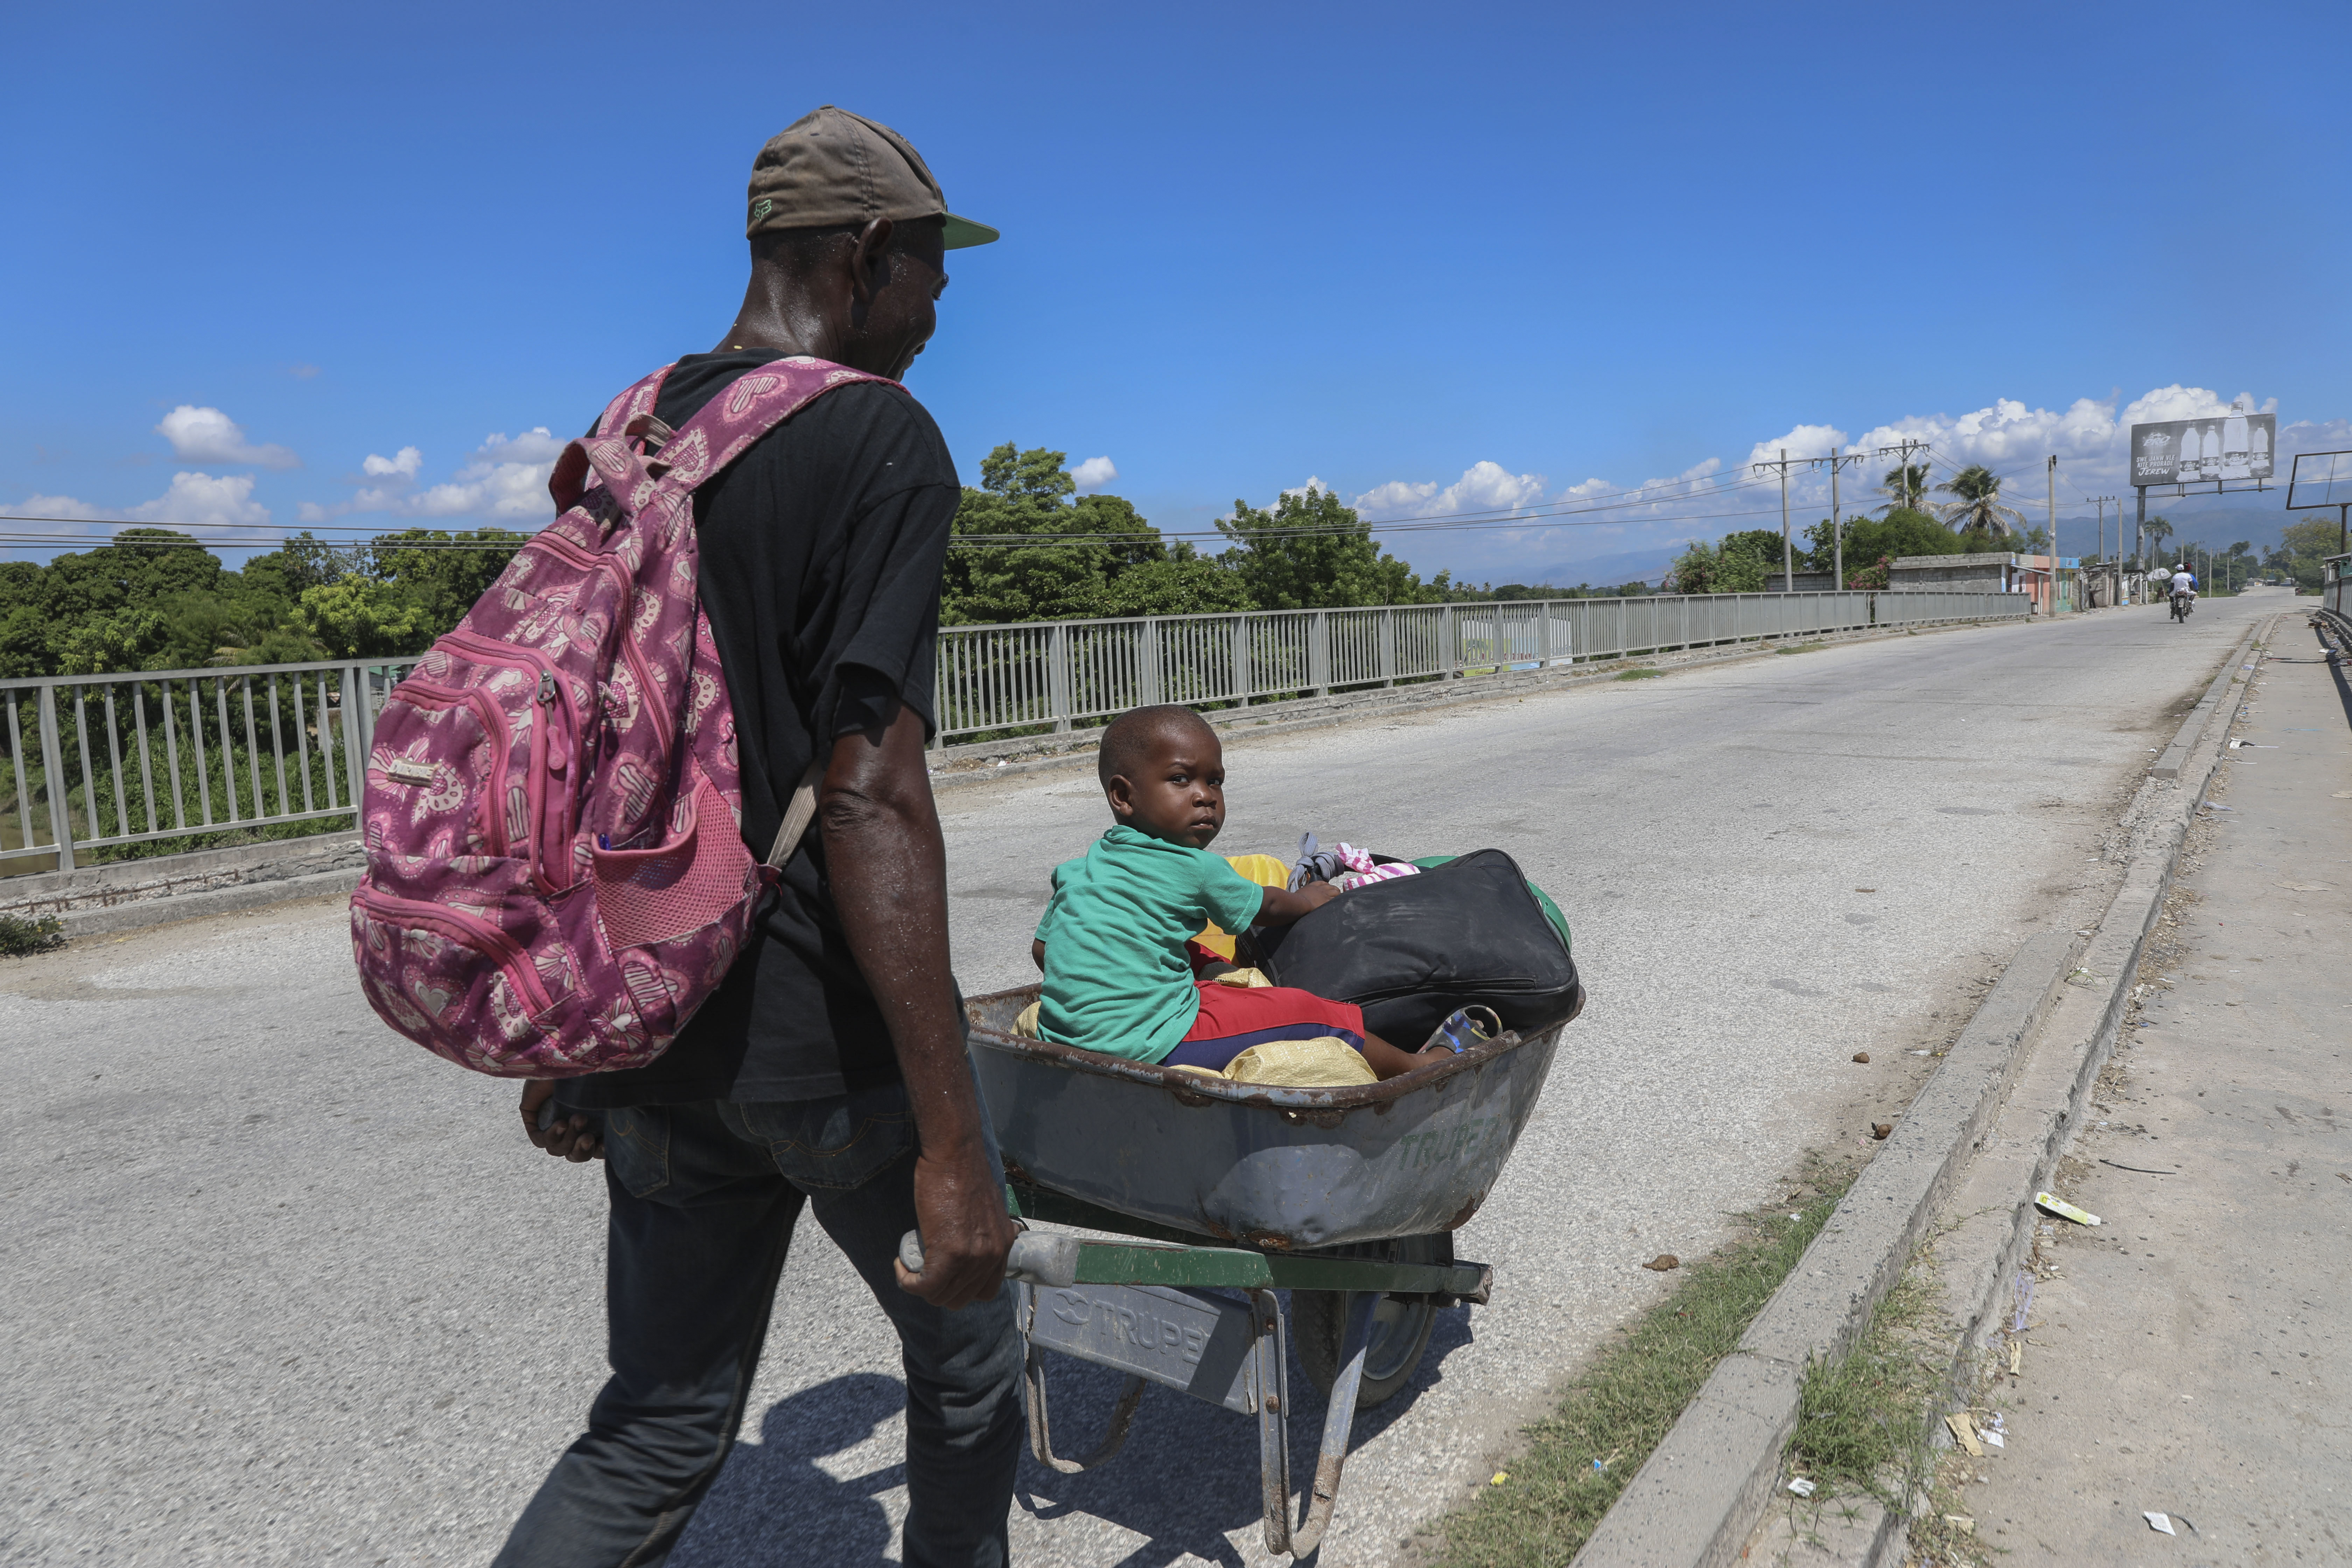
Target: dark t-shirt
822, 550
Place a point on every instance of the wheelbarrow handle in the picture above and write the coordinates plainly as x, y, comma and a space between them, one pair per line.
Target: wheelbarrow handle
1036, 1259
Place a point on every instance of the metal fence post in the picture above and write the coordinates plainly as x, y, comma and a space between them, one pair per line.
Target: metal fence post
55, 775
1241, 633
1387, 645
1318, 653
1148, 661
1057, 677
354, 747
1543, 634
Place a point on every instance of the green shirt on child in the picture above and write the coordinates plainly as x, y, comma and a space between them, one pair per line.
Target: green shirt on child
1116, 976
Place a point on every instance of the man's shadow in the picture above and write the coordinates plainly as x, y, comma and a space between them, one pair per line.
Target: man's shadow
1189, 1474
774, 1506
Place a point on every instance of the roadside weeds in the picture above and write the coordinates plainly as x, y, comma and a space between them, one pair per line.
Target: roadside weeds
1539, 1512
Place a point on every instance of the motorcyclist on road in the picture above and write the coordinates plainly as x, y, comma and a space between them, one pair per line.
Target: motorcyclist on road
2184, 591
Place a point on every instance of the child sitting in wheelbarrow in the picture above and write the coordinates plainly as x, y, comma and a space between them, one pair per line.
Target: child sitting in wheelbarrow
1112, 944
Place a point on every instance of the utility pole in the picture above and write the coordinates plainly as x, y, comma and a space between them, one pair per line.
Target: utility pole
1787, 548
2053, 535
2116, 562
1901, 452
1836, 460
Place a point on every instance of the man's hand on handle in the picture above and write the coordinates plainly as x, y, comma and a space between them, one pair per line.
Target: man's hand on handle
574, 1137
959, 1209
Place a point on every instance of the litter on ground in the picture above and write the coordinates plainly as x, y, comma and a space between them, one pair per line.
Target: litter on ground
1801, 1487
2159, 1523
2064, 1210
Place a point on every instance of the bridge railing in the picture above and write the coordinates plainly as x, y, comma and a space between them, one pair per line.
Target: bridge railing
1052, 675
95, 761
106, 762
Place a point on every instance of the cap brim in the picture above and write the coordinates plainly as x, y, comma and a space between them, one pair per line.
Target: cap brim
962, 233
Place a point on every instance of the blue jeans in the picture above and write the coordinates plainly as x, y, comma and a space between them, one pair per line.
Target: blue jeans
704, 1199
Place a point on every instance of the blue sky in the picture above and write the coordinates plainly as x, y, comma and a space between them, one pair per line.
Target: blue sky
251, 248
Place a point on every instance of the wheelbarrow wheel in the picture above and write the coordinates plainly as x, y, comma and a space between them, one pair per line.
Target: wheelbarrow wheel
1401, 1330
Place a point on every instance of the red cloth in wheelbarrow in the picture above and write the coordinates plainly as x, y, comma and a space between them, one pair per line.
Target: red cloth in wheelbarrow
1411, 950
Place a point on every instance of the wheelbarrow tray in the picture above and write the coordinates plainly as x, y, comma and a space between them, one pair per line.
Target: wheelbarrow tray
1278, 1169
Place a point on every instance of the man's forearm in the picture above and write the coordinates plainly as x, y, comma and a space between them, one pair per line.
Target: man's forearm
888, 875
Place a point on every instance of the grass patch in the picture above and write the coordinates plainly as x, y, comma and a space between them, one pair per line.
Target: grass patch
1868, 1424
1871, 1424
19, 936
1642, 674
1580, 1457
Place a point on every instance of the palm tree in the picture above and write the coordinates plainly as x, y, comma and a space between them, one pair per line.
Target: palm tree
1979, 508
2156, 529
1903, 486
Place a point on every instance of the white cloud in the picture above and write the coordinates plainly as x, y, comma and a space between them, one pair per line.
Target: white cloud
1802, 441
505, 481
1484, 487
208, 436
198, 501
404, 464
1094, 473
533, 445
55, 506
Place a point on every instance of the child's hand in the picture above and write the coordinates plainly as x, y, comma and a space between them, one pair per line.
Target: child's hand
1318, 894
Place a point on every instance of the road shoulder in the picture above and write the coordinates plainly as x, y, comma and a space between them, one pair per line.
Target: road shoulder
2185, 1356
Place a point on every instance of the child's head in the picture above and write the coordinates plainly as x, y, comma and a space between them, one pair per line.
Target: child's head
1164, 775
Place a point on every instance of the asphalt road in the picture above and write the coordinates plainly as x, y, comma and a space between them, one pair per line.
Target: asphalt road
278, 1287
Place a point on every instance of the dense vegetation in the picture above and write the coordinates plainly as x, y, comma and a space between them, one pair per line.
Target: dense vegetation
1032, 549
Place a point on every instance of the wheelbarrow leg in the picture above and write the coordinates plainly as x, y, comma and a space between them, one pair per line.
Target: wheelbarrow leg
1330, 1456
1041, 1436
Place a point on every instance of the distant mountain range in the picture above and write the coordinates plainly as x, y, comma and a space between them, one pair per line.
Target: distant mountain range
2196, 520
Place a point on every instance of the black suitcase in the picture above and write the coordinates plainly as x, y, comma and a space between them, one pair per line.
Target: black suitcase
1411, 950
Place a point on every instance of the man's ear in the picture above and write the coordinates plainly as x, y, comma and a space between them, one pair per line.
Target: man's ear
869, 267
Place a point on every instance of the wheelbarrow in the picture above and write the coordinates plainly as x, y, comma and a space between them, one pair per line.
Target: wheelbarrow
1345, 1197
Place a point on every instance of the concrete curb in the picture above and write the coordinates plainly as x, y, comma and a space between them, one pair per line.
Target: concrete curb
1702, 1492
108, 919
1322, 713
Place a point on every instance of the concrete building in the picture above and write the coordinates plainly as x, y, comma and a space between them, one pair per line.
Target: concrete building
1991, 571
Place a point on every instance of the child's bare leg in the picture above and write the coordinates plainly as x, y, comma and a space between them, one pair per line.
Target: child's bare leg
1387, 1060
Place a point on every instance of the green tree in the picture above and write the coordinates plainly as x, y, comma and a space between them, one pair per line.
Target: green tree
358, 617
1083, 547
1901, 531
1977, 510
443, 572
1312, 551
2302, 546
1904, 487
1739, 564
2157, 530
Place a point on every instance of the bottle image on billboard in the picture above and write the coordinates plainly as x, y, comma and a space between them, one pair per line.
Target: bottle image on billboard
2236, 449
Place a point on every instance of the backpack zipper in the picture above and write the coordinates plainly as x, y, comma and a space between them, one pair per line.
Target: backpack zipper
467, 931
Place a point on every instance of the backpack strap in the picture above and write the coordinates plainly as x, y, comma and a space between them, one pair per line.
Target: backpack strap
750, 406
797, 815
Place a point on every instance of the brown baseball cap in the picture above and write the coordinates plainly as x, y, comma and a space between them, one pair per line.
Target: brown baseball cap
833, 169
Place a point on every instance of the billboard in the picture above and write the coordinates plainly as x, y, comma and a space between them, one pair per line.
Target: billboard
2319, 478
2231, 445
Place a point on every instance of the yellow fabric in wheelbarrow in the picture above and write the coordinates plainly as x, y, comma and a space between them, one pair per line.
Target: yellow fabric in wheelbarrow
1267, 871
1328, 1062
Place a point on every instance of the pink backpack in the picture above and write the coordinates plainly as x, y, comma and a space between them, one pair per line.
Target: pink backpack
556, 875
